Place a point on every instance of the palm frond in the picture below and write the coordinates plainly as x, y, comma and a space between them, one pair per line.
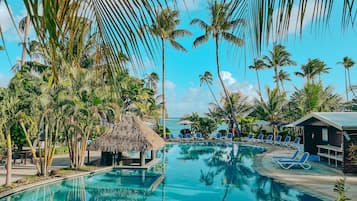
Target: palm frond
233, 39
199, 40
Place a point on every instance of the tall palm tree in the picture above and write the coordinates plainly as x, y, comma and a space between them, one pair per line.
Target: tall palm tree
313, 68
278, 57
222, 24
283, 76
151, 81
207, 79
257, 66
165, 28
347, 63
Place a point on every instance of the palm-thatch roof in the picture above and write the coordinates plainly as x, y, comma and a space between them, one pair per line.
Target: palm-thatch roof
131, 134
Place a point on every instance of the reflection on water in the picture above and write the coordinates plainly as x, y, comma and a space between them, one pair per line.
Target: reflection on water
192, 172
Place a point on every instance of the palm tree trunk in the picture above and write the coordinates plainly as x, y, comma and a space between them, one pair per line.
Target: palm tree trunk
282, 85
223, 86
276, 78
346, 85
163, 87
214, 97
26, 32
260, 90
9, 160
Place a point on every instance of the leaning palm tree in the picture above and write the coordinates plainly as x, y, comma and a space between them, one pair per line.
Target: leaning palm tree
278, 57
207, 79
165, 28
283, 76
347, 64
222, 24
258, 65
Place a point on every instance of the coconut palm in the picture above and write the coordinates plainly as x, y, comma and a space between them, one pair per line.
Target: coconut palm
313, 68
257, 66
222, 24
241, 108
313, 97
283, 76
347, 64
207, 79
278, 57
151, 81
165, 28
270, 110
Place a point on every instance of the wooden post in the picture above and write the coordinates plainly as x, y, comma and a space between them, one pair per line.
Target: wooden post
142, 158
153, 154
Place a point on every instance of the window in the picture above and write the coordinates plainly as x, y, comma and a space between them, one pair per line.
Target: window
324, 134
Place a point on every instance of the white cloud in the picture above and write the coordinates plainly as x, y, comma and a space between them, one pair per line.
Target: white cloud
170, 85
233, 85
227, 78
295, 18
190, 5
4, 80
5, 20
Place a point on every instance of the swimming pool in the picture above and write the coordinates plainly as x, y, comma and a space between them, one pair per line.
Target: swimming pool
191, 172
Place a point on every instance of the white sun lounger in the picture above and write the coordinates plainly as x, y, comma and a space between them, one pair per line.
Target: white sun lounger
287, 164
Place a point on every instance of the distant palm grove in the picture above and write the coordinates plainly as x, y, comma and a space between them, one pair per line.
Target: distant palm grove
73, 78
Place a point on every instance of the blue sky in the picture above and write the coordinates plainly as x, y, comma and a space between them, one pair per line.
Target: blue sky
184, 95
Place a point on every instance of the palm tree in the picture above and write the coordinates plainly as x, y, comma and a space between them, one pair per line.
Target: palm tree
270, 110
222, 24
347, 64
313, 68
258, 65
165, 28
152, 80
8, 112
207, 79
241, 108
278, 57
282, 76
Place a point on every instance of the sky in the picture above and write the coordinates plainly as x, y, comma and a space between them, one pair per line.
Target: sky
183, 91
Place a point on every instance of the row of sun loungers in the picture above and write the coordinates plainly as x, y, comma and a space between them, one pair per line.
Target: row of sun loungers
269, 140
289, 162
198, 137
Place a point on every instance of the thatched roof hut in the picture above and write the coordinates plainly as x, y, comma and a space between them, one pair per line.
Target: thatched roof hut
131, 134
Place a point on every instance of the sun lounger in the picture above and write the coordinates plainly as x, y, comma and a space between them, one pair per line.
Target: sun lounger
287, 164
260, 138
296, 143
180, 137
173, 138
277, 140
217, 136
286, 141
269, 139
188, 137
198, 136
250, 137
294, 157
229, 137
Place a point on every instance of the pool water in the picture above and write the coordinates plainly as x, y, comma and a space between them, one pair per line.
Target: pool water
191, 172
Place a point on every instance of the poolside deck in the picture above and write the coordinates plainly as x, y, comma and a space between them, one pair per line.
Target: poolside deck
319, 181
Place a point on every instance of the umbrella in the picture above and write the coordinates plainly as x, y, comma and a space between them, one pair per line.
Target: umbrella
186, 122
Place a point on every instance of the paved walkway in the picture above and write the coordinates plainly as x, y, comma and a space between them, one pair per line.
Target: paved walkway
20, 171
319, 181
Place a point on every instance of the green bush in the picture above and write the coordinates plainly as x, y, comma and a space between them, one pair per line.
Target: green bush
61, 150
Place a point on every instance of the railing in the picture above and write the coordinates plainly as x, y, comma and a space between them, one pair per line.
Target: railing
331, 153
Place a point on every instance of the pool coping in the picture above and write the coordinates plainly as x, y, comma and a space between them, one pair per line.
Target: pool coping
49, 180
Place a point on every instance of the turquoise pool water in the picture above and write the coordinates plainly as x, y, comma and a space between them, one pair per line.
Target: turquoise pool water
193, 172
